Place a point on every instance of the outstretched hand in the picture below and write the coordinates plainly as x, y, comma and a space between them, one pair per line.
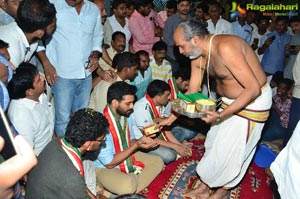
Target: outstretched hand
147, 142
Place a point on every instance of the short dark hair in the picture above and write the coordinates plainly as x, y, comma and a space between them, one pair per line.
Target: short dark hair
282, 18
141, 3
171, 4
85, 125
22, 80
116, 3
140, 53
157, 88
295, 19
33, 15
126, 60
3, 44
115, 34
132, 196
277, 77
202, 6
184, 73
288, 82
118, 90
159, 45
179, 1
193, 28
262, 18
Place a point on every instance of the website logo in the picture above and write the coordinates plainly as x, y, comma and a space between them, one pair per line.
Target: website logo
236, 10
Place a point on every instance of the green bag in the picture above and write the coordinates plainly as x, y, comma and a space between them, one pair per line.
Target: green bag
193, 97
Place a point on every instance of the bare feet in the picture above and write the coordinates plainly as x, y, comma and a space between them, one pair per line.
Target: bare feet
201, 192
220, 193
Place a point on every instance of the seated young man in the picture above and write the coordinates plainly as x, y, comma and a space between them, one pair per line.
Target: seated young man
144, 74
120, 167
182, 129
59, 173
29, 111
153, 106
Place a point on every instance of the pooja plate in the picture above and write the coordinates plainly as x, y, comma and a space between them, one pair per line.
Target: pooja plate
178, 109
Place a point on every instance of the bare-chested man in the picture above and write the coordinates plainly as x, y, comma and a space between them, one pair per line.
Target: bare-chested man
246, 98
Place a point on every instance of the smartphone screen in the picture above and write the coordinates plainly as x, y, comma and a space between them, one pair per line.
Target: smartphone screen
255, 41
9, 148
293, 46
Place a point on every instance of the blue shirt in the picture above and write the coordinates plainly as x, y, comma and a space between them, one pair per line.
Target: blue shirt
4, 61
75, 37
244, 32
107, 149
5, 18
274, 56
141, 82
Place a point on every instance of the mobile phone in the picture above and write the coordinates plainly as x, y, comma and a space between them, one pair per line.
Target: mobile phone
9, 149
293, 47
255, 41
273, 37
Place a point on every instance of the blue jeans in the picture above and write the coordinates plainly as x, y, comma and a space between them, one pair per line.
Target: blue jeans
70, 95
167, 155
273, 129
182, 133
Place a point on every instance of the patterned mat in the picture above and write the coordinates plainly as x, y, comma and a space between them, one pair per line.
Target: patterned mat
181, 175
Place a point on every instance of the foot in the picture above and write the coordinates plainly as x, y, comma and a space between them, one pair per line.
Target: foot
200, 192
220, 193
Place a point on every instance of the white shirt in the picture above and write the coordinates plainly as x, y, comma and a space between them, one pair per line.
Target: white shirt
112, 25
19, 48
286, 166
75, 37
222, 27
256, 35
142, 116
33, 120
296, 77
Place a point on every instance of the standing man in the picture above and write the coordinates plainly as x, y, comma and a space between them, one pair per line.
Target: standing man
246, 99
120, 162
8, 11
183, 9
70, 57
142, 26
101, 5
24, 34
216, 24
273, 46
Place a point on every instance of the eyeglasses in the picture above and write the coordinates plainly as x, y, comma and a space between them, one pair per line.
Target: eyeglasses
101, 140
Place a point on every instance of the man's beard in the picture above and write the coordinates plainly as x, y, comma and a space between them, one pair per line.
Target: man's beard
196, 52
124, 113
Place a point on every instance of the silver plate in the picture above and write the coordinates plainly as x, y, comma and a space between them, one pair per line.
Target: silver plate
178, 109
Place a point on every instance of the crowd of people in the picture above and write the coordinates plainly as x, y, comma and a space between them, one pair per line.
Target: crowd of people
82, 87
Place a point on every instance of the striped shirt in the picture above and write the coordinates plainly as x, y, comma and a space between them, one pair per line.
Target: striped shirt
162, 72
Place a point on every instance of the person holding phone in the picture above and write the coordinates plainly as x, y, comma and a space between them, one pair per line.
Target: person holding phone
273, 47
262, 30
294, 47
